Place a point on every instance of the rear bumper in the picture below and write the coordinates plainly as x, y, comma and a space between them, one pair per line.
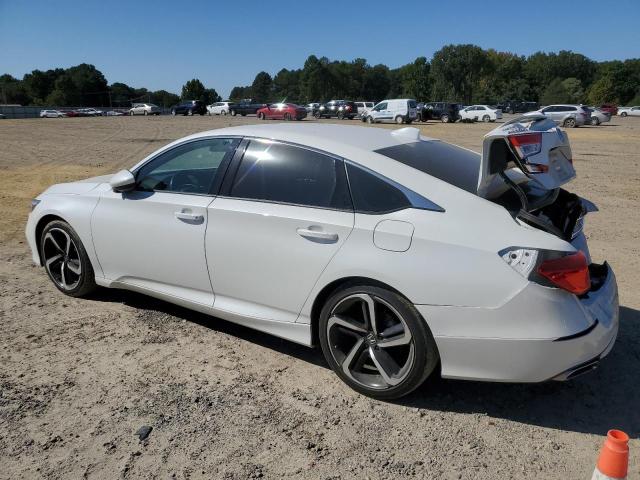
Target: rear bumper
540, 334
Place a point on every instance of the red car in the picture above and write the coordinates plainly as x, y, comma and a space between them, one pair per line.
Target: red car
609, 108
282, 111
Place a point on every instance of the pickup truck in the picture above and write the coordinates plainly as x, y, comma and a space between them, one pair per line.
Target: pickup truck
245, 107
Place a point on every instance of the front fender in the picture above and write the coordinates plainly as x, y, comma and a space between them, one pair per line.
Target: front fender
76, 210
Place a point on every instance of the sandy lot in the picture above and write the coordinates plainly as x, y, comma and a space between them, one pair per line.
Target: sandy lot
78, 378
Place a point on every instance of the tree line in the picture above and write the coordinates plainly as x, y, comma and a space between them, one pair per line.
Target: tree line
85, 86
458, 73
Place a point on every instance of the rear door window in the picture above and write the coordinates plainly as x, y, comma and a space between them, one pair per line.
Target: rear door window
276, 172
372, 194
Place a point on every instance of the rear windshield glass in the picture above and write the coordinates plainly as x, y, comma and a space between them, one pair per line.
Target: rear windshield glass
454, 165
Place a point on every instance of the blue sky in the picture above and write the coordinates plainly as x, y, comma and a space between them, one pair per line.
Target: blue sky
161, 44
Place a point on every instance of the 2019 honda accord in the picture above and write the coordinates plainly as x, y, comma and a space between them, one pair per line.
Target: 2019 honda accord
394, 252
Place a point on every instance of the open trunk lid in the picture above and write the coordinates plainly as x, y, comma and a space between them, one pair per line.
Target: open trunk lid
526, 149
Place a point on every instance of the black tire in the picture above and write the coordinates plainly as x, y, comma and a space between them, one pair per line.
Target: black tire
317, 115
233, 113
223, 112
422, 353
261, 116
486, 119
243, 114
287, 117
173, 112
340, 116
444, 118
399, 120
48, 249
189, 112
623, 114
370, 120
146, 113
595, 121
569, 123
131, 113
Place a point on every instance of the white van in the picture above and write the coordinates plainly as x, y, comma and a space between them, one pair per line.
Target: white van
398, 110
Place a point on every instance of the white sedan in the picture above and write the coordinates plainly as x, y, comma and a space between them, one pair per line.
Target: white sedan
392, 251
219, 108
51, 114
480, 113
629, 111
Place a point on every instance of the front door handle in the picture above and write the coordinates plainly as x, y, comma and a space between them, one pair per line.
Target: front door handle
189, 217
315, 233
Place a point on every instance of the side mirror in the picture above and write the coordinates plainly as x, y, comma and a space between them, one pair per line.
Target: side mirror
123, 181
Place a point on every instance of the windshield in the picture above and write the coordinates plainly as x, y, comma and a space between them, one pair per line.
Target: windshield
455, 165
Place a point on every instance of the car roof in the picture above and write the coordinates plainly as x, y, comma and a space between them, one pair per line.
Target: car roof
342, 140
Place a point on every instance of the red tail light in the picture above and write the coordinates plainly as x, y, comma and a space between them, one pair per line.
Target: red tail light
526, 144
570, 272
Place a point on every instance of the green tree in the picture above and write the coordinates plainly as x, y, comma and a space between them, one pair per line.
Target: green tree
193, 90
414, 79
165, 99
261, 88
602, 91
239, 93
555, 92
573, 87
12, 91
456, 71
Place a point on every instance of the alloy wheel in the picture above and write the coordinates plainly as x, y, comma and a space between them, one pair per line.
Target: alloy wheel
62, 258
370, 341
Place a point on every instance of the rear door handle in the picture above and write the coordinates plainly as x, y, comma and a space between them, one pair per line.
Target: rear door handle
189, 217
316, 234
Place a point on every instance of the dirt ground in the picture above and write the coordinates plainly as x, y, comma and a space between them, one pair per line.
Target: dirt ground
78, 378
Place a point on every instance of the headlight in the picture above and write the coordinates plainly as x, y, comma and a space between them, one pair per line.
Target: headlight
34, 203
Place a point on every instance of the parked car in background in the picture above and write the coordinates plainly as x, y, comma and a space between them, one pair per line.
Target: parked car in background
480, 113
219, 108
566, 115
609, 108
629, 111
400, 256
190, 107
444, 111
598, 115
312, 107
115, 113
73, 113
51, 114
397, 110
144, 109
90, 112
282, 111
517, 106
245, 107
364, 108
338, 108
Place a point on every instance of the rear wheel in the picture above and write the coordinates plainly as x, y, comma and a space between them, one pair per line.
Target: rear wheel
486, 118
65, 259
623, 114
317, 115
223, 112
595, 121
173, 112
444, 118
340, 116
287, 117
376, 341
569, 123
399, 119
233, 113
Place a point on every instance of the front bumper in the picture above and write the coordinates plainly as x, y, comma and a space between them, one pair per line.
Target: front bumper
538, 335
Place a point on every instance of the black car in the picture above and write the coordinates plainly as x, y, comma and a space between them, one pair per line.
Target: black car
337, 108
517, 106
444, 111
245, 107
190, 107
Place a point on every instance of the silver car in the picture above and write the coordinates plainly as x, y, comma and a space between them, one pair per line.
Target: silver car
598, 116
144, 109
565, 115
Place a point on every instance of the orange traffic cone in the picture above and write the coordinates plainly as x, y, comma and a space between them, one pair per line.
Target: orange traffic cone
614, 457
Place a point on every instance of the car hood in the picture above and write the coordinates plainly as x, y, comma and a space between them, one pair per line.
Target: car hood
78, 187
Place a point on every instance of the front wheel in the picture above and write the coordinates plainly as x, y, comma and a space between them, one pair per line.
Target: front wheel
569, 123
595, 121
233, 113
623, 114
486, 119
65, 259
376, 341
261, 116
444, 118
287, 117
173, 112
223, 112
369, 119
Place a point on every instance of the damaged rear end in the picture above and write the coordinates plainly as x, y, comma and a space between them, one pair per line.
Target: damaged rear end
525, 164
